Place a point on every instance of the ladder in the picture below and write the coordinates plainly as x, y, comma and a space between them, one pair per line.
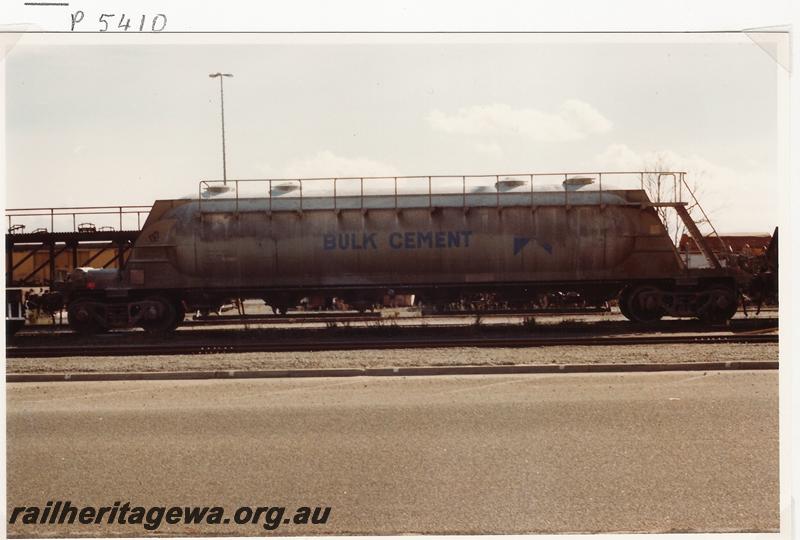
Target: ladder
700, 240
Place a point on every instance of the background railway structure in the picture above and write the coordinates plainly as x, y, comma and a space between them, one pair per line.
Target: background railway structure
44, 244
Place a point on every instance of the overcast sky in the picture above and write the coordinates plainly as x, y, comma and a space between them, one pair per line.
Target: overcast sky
128, 124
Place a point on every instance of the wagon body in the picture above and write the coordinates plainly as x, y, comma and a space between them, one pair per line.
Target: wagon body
243, 245
510, 240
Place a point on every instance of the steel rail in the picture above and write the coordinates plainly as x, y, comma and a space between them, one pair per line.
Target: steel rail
402, 371
198, 348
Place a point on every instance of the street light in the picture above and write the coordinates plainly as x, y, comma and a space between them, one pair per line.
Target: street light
222, 108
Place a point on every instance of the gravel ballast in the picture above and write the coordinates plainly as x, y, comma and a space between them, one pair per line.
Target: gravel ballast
630, 354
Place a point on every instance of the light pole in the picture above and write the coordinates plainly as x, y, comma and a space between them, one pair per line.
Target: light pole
222, 108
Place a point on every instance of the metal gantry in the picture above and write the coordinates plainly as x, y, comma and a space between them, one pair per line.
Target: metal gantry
60, 240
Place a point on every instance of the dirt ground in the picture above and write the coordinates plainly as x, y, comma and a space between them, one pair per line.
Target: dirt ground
402, 358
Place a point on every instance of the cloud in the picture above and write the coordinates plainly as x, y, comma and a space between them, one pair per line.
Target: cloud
574, 120
719, 189
621, 157
326, 164
734, 199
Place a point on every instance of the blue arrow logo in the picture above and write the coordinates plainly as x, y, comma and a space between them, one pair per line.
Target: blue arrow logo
521, 241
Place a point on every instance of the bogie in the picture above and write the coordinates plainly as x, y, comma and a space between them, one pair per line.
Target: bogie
712, 303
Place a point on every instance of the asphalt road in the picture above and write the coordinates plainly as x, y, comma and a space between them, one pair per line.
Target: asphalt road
476, 454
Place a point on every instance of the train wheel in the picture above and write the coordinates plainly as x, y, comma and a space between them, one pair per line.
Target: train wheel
82, 317
161, 315
644, 304
622, 303
721, 306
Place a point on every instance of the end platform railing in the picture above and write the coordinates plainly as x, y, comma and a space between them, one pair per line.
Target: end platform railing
75, 219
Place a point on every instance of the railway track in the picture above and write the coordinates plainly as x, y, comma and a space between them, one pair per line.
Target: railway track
215, 347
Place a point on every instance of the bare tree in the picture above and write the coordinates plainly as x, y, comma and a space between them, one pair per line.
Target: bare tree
662, 185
